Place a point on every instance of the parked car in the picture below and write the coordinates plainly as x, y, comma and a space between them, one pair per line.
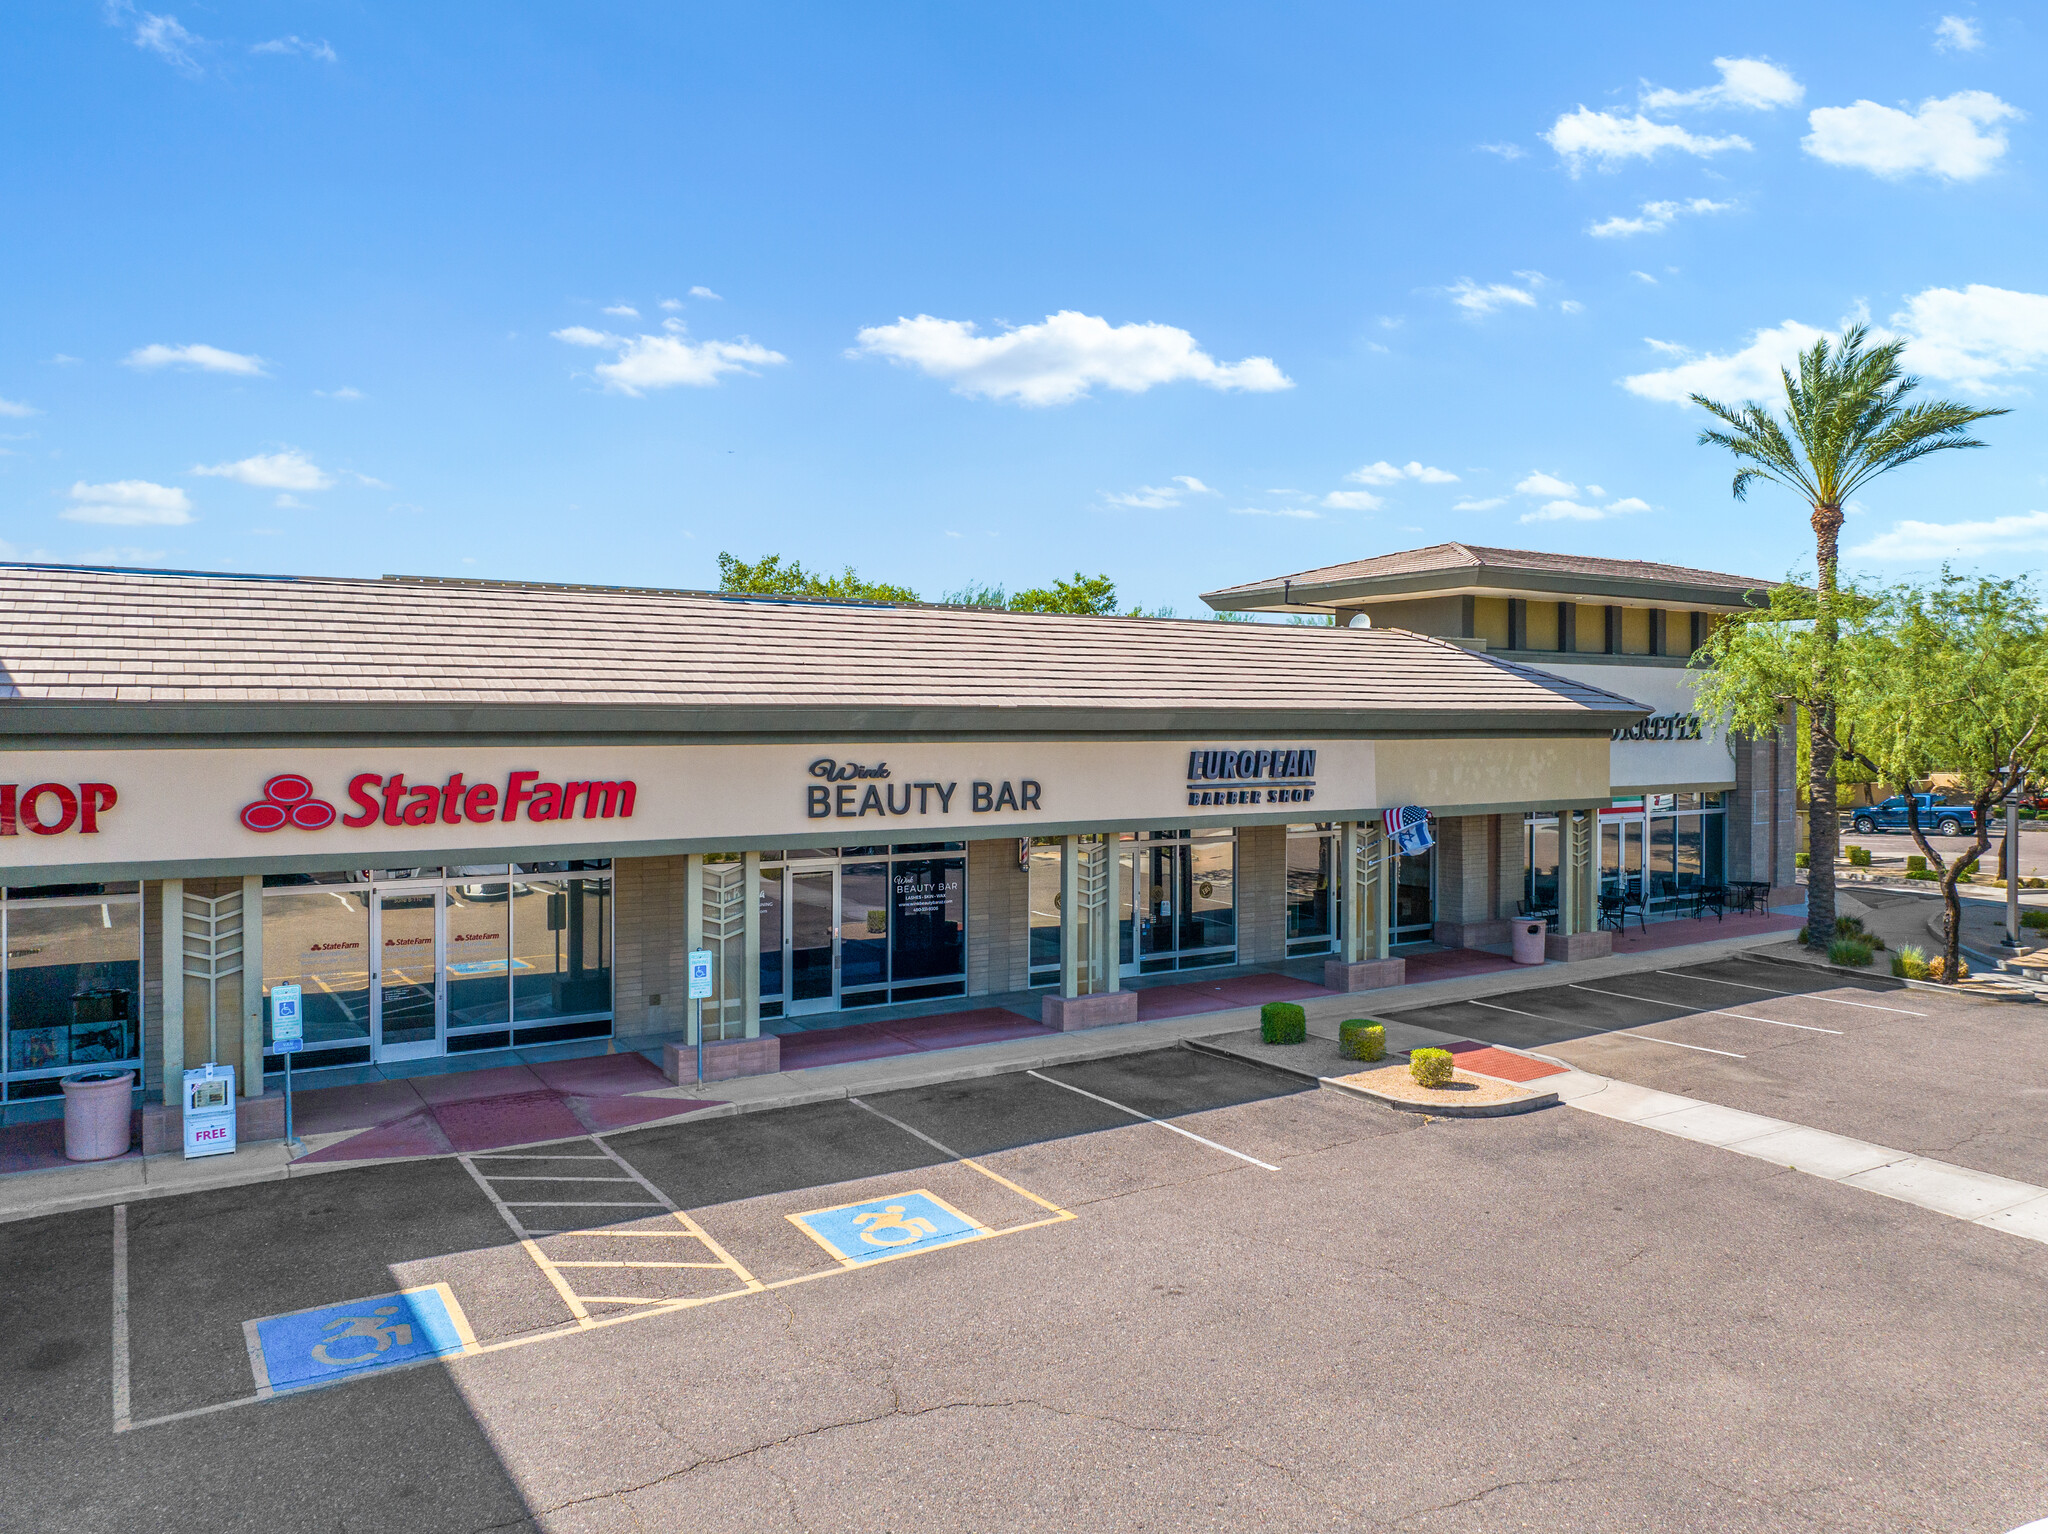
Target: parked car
1943, 819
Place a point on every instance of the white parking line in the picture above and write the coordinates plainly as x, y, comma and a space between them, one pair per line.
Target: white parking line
1649, 1001
1867, 1006
121, 1417
1134, 1113
1644, 1038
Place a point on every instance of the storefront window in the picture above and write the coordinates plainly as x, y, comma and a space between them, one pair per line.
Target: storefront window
73, 987
561, 948
1311, 892
479, 953
863, 931
319, 941
929, 919
1209, 900
1044, 900
1542, 863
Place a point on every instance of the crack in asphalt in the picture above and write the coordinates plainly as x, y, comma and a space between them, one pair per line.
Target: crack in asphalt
895, 1409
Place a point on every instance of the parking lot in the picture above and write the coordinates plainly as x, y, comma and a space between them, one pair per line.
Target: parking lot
1163, 1290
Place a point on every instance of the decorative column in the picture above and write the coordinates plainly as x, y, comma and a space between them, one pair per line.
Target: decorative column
252, 985
1367, 962
1578, 934
172, 944
722, 914
1090, 962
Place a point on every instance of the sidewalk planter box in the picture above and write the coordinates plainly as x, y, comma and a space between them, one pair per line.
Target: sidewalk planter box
724, 1059
1103, 1009
1370, 975
256, 1118
96, 1114
1530, 937
1578, 945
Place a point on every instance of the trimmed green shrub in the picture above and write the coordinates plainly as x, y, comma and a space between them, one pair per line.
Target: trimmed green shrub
2037, 884
1849, 950
2027, 813
1801, 860
1362, 1039
1283, 1022
1859, 857
1927, 874
1910, 963
1916, 863
2034, 919
1431, 1067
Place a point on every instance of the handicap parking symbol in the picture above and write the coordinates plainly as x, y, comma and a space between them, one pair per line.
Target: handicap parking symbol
888, 1226
331, 1342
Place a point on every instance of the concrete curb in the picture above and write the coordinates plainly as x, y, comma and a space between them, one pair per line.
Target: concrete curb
1443, 1110
1915, 985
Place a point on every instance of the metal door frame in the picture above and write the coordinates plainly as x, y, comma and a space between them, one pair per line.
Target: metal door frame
419, 1049
791, 1007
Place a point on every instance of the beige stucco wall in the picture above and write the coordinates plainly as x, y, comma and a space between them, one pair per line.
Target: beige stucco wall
1261, 894
649, 947
1483, 776
997, 913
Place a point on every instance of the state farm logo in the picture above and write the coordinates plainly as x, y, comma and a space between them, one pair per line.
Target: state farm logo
288, 800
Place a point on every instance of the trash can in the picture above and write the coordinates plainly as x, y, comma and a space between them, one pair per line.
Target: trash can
1529, 936
96, 1114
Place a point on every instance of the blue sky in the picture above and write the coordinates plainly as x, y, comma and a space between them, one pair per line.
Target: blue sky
1190, 294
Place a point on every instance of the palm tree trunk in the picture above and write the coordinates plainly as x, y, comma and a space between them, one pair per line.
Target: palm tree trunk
1823, 820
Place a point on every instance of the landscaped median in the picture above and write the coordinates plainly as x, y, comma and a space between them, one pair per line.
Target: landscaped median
1466, 1080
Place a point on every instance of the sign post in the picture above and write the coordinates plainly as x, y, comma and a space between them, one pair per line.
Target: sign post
700, 987
287, 1038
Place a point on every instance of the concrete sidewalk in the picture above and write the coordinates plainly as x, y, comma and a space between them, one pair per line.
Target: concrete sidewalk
131, 1179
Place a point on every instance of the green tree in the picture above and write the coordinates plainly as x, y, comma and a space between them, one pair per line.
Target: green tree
770, 577
1950, 677
1847, 419
1084, 595
978, 594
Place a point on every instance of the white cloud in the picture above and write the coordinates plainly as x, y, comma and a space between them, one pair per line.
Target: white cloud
1505, 151
288, 470
1644, 277
1469, 504
1574, 511
16, 408
1750, 373
344, 392
1570, 306
1539, 483
671, 303
1756, 85
1946, 137
1062, 358
1476, 300
1298, 513
129, 503
1610, 140
1384, 473
160, 35
1158, 497
1655, 218
322, 50
701, 291
290, 503
660, 362
1352, 500
207, 359
1958, 33
1916, 541
623, 311
1976, 335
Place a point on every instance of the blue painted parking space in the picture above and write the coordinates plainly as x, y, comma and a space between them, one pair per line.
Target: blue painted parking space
331, 1342
889, 1226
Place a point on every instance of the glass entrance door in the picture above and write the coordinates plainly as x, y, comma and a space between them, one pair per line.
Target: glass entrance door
407, 998
1415, 897
1181, 905
813, 940
1621, 856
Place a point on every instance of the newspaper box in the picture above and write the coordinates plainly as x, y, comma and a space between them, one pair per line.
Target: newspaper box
210, 1110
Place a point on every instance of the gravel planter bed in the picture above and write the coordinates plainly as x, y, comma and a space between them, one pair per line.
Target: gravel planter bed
1467, 1096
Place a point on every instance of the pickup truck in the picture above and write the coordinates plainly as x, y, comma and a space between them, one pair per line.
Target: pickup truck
1935, 817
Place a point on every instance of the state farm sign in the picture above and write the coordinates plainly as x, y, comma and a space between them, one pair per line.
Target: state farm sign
289, 800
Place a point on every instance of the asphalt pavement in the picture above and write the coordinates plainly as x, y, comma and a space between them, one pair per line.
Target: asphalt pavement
1164, 1290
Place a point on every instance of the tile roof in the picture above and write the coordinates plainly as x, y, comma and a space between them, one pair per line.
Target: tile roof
1452, 557
158, 638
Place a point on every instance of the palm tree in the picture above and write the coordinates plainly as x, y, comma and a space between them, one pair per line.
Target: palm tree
1847, 421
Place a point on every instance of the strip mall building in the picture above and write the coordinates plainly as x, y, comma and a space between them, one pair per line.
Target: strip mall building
469, 816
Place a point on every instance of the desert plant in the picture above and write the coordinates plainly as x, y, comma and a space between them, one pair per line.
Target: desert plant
1910, 963
2034, 919
1283, 1022
1849, 950
1431, 1067
1937, 969
2037, 884
1848, 926
1362, 1039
